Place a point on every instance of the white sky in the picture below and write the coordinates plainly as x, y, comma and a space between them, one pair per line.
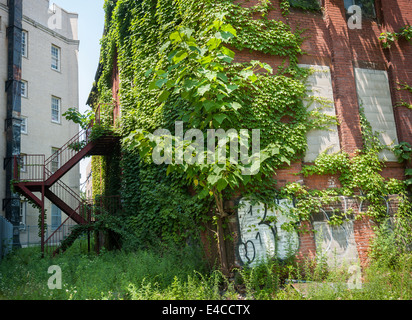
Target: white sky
91, 24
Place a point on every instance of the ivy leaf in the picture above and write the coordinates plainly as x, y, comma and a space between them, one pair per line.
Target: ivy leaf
161, 82
284, 159
164, 46
230, 29
211, 75
222, 76
232, 87
221, 184
148, 72
164, 95
175, 37
228, 52
206, 60
235, 105
246, 73
225, 58
220, 117
245, 179
213, 43
213, 179
187, 32
195, 48
203, 89
179, 56
210, 106
203, 194
224, 35
189, 84
152, 85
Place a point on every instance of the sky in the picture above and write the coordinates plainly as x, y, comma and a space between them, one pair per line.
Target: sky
91, 24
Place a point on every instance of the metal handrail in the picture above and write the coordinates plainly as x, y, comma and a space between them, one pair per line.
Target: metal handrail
24, 164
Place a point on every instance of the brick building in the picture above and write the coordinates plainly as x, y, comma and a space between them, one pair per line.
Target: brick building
353, 71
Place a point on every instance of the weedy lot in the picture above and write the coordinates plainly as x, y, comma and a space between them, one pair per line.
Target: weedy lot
180, 274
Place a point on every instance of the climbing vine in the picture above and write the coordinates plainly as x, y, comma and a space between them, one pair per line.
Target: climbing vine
402, 103
359, 177
177, 62
388, 38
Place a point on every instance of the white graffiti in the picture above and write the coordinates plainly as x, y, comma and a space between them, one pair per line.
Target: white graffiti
261, 233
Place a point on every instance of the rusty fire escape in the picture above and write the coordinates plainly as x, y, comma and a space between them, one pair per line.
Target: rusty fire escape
38, 178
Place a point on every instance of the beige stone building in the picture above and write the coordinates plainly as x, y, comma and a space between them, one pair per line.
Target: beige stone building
49, 86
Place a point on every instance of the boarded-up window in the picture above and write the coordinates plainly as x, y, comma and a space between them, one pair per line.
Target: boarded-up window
320, 85
375, 98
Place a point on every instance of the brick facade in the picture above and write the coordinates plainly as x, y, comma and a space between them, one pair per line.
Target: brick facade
330, 42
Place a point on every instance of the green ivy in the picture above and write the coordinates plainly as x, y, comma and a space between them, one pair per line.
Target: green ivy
359, 176
140, 35
403, 152
310, 5
388, 38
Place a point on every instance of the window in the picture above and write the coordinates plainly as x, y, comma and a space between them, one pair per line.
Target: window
23, 125
23, 86
55, 58
23, 208
56, 217
55, 162
305, 4
319, 84
55, 109
374, 97
24, 43
367, 6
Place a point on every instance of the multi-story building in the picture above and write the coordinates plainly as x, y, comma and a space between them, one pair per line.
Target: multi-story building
357, 71
48, 85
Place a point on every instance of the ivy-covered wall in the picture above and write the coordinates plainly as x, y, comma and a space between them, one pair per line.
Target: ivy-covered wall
158, 205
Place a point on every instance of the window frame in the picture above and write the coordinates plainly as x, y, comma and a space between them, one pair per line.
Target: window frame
55, 209
308, 6
25, 44
25, 84
57, 66
59, 100
53, 163
374, 17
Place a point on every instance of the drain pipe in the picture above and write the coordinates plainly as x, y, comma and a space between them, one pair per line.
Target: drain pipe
11, 204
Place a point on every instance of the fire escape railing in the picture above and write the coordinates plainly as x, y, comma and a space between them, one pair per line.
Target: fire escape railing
35, 173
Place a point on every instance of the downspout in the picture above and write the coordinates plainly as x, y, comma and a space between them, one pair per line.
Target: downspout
13, 121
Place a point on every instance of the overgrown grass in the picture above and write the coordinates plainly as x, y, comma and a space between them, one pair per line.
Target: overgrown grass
168, 273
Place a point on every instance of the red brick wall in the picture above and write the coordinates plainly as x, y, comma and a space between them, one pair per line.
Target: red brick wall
330, 42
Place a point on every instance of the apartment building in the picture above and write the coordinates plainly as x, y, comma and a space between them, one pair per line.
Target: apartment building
48, 85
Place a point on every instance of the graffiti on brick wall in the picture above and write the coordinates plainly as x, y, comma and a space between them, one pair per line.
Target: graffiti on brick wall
261, 234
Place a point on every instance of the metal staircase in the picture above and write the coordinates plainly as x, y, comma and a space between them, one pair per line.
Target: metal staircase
38, 178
